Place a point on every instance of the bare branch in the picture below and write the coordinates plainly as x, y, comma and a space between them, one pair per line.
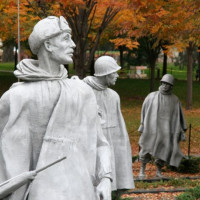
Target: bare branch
92, 18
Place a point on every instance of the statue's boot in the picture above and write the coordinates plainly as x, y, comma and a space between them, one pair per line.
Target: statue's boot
159, 172
142, 171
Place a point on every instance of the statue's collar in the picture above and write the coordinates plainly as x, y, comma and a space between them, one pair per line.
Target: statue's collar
28, 70
92, 81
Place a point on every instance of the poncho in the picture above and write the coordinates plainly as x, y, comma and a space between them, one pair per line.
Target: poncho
114, 129
162, 123
44, 120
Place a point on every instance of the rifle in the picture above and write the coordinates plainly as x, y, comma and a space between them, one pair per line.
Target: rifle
16, 182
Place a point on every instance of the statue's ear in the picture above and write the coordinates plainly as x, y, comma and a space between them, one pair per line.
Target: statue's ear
47, 45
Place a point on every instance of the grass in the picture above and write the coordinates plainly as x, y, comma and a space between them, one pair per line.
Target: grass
179, 74
7, 66
190, 194
133, 91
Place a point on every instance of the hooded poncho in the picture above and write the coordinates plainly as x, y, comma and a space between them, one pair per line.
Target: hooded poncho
43, 119
114, 129
162, 123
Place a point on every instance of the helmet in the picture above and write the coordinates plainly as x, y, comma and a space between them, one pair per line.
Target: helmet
168, 78
105, 65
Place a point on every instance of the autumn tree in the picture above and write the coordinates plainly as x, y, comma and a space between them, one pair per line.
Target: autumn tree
88, 20
172, 23
147, 27
187, 36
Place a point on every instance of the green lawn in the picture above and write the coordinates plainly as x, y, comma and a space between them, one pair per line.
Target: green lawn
7, 66
172, 69
133, 91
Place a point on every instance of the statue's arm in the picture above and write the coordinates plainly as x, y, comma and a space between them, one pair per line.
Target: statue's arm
4, 110
143, 112
103, 168
182, 118
103, 156
183, 124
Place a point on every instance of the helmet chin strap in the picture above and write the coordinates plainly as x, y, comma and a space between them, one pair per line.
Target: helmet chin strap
107, 81
102, 80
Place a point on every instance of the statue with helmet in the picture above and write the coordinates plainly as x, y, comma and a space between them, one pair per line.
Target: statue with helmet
113, 124
162, 128
47, 116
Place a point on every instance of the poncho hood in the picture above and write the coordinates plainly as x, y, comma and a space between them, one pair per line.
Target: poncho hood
29, 70
92, 81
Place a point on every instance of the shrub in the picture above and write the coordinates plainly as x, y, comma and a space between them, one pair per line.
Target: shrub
190, 165
190, 194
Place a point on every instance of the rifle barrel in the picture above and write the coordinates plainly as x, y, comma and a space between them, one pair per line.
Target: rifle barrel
49, 165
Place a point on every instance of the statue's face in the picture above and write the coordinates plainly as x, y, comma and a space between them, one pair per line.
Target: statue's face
112, 78
62, 48
166, 87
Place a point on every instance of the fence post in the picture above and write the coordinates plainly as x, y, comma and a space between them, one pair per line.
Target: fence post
190, 127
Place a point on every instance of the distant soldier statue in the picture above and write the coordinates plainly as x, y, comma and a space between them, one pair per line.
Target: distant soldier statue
113, 124
162, 128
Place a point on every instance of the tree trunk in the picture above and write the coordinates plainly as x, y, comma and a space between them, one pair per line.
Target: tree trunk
198, 64
121, 50
8, 55
128, 58
152, 80
79, 61
164, 64
92, 67
189, 77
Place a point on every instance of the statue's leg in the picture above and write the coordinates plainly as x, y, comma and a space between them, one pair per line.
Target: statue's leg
142, 170
144, 160
159, 165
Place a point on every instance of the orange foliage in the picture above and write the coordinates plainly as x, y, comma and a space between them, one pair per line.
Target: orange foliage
175, 21
33, 10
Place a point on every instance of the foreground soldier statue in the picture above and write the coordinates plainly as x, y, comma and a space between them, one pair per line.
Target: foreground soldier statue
162, 128
49, 116
113, 124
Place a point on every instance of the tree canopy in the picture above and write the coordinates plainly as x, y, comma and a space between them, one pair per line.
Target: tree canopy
156, 24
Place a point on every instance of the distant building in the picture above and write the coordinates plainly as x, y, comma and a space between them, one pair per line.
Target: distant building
137, 72
171, 57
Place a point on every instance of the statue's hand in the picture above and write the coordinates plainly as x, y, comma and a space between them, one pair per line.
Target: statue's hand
104, 189
32, 175
183, 137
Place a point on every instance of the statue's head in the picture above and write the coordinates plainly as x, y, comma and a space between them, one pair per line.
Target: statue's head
167, 82
54, 35
106, 66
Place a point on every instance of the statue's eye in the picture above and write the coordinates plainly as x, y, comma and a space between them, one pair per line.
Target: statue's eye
67, 37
